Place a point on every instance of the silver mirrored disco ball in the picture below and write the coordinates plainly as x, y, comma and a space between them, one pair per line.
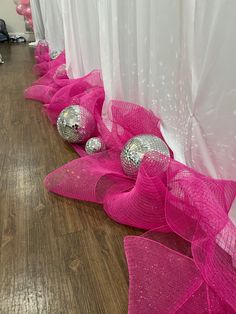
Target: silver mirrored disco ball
60, 72
54, 54
135, 149
43, 42
94, 145
76, 124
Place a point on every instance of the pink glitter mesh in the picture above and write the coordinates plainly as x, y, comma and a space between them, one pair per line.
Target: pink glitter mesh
48, 84
162, 280
194, 274
186, 262
45, 64
196, 209
57, 91
86, 91
41, 52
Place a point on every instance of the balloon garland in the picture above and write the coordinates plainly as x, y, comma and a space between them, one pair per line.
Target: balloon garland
23, 8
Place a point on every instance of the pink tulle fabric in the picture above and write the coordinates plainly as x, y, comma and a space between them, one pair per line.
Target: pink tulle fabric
56, 91
41, 52
196, 209
86, 91
186, 261
50, 82
45, 63
197, 276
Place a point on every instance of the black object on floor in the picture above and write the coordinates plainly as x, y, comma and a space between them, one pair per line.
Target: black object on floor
4, 36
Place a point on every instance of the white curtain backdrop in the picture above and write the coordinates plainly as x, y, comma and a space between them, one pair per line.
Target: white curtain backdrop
81, 29
53, 24
144, 59
177, 58
39, 31
212, 139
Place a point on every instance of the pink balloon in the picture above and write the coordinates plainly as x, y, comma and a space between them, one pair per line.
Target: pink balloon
28, 12
25, 2
20, 9
29, 22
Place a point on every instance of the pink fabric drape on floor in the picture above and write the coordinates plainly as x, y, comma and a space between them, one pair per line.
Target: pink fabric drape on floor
178, 200
186, 261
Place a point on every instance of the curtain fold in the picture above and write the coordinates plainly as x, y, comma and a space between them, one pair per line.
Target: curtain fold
81, 29
145, 60
212, 139
39, 31
53, 24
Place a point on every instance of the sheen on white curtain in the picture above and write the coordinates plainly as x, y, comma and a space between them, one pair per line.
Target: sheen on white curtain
212, 137
81, 29
39, 31
178, 59
53, 24
145, 59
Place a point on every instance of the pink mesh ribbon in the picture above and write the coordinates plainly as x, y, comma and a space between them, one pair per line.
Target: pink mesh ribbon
186, 262
41, 52
168, 279
86, 91
48, 84
45, 63
56, 91
162, 280
104, 174
194, 274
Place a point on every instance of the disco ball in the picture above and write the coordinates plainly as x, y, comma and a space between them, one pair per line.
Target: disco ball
60, 72
138, 146
76, 124
54, 54
94, 145
43, 42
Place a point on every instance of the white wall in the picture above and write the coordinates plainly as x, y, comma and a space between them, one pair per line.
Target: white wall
15, 23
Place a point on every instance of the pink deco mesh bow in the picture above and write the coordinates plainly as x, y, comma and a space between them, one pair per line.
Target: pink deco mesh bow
197, 276
186, 261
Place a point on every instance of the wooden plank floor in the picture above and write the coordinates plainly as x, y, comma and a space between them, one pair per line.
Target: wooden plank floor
57, 255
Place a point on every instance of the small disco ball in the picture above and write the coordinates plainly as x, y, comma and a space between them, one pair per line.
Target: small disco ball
76, 124
54, 54
139, 146
43, 42
60, 72
94, 145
